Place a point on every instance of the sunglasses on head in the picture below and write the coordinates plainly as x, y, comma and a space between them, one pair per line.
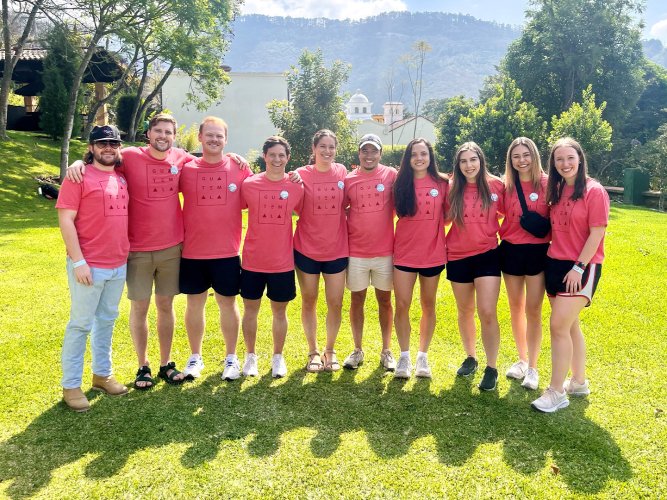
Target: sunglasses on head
110, 144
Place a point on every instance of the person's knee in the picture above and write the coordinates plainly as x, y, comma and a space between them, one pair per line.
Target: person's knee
164, 304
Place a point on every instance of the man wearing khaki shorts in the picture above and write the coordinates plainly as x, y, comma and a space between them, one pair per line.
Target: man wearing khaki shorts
368, 193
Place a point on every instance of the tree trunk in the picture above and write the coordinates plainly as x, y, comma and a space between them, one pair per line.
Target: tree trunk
141, 108
73, 95
10, 61
134, 116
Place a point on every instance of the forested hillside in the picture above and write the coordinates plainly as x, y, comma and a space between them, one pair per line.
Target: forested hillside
464, 49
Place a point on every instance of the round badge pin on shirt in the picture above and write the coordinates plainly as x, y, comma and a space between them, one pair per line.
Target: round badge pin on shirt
380, 187
232, 187
533, 196
433, 192
341, 184
494, 197
284, 195
173, 170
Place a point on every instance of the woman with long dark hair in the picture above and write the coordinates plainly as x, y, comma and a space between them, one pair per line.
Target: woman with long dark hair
475, 205
419, 249
579, 217
321, 247
523, 256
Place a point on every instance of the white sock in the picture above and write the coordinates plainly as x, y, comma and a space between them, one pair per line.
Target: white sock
405, 354
421, 355
232, 357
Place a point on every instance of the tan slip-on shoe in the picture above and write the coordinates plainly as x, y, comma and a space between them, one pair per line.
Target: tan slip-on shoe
109, 385
76, 399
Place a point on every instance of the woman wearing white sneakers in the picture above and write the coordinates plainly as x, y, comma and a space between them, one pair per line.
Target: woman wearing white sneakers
419, 249
579, 216
523, 254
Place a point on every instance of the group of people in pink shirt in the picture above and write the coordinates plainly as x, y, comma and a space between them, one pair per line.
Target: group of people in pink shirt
118, 207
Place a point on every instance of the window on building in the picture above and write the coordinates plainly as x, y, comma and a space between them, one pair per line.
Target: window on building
356, 110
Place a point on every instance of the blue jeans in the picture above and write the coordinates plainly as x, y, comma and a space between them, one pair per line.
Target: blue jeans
94, 309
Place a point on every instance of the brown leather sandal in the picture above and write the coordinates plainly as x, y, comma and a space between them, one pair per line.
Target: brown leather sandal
314, 366
331, 363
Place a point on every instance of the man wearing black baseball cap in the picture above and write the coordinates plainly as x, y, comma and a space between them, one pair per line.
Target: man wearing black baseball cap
94, 224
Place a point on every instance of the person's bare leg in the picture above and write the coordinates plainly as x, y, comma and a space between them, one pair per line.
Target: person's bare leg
229, 321
464, 293
195, 321
139, 332
357, 303
516, 296
564, 312
487, 289
334, 287
279, 325
166, 319
534, 301
249, 323
404, 283
309, 287
386, 316
428, 290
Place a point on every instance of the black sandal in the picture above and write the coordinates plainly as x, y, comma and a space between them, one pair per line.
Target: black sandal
143, 375
170, 378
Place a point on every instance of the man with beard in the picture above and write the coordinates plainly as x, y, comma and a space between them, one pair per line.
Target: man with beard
93, 220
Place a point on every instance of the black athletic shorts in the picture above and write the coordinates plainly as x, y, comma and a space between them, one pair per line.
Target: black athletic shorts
426, 272
528, 259
555, 273
310, 266
280, 287
476, 266
198, 275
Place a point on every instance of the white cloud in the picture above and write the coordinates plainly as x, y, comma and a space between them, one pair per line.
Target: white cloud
659, 31
332, 9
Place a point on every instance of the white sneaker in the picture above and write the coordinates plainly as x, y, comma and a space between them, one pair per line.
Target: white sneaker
355, 359
404, 367
551, 401
531, 380
250, 365
517, 370
387, 360
232, 369
194, 367
422, 369
574, 388
278, 366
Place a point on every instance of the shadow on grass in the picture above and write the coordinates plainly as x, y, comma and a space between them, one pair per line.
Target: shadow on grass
205, 415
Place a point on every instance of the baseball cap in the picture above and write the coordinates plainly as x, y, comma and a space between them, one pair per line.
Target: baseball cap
370, 139
104, 133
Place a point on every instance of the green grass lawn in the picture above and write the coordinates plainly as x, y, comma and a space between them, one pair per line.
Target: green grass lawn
350, 434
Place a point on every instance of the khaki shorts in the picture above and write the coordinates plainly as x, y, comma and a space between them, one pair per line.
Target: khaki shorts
363, 272
159, 266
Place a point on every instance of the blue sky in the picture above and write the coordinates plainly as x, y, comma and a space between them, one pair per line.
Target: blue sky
507, 11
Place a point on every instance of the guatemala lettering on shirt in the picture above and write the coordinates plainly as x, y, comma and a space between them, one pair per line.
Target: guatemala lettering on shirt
370, 220
212, 208
571, 222
156, 221
479, 232
420, 239
321, 231
268, 247
511, 229
101, 202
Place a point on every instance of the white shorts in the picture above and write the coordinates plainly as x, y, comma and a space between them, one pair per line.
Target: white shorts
365, 271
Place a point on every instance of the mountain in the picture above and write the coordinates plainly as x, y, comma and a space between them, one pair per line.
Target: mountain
464, 50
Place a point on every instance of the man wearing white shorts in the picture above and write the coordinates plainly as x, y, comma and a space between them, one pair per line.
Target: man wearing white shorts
368, 194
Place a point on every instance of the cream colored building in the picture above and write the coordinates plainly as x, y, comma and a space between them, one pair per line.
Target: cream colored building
243, 106
400, 132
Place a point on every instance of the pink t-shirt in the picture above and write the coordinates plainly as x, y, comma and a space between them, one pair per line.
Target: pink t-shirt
267, 247
156, 221
479, 232
571, 222
321, 231
536, 200
212, 208
420, 239
370, 219
101, 202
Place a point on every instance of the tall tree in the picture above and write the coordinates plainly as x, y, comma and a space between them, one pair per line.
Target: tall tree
13, 50
448, 128
504, 116
414, 65
570, 44
315, 103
